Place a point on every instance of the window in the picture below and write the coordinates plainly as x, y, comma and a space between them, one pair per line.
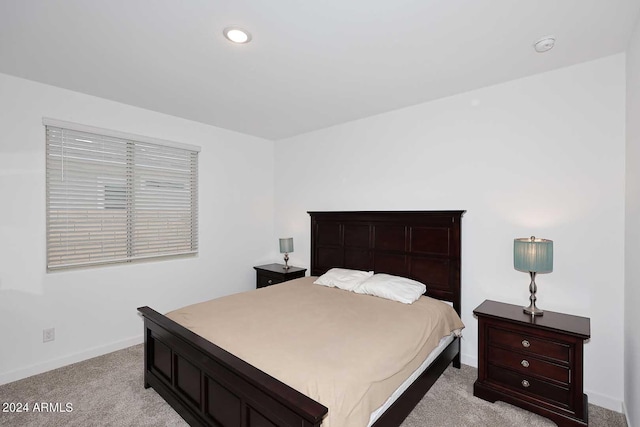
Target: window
114, 197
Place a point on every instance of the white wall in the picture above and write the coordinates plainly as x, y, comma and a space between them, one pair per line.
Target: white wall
542, 155
94, 310
632, 235
538, 156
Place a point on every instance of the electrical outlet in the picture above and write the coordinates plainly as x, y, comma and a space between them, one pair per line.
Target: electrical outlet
48, 334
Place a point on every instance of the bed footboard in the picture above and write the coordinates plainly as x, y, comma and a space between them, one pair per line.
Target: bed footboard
209, 386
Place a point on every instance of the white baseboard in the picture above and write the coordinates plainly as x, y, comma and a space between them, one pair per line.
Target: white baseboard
469, 360
605, 401
18, 374
626, 414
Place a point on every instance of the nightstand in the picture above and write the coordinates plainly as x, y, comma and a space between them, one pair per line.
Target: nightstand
535, 363
271, 274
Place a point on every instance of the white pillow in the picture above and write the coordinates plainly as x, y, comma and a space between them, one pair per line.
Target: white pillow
395, 288
343, 278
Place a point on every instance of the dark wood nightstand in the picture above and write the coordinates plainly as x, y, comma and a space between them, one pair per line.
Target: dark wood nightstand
535, 363
271, 274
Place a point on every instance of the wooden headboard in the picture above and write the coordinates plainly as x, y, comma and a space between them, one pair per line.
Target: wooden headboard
421, 245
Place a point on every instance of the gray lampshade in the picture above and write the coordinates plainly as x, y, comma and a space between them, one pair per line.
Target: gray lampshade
286, 245
531, 254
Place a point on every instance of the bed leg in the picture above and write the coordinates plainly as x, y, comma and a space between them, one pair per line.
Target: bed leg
456, 358
146, 383
456, 361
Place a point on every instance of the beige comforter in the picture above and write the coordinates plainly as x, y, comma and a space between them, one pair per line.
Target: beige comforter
345, 350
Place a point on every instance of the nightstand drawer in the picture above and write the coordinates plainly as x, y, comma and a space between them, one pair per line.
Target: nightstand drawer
529, 344
264, 280
529, 385
527, 365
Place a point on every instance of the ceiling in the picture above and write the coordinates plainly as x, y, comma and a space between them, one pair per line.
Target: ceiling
310, 65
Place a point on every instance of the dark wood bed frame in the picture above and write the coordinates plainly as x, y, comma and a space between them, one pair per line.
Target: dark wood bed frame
209, 386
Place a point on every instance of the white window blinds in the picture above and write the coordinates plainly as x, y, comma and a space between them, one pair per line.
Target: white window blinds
111, 198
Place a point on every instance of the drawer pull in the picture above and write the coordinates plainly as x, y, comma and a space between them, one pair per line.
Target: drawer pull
525, 383
270, 282
525, 363
526, 344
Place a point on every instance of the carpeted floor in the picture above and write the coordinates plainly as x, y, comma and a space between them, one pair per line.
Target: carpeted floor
108, 391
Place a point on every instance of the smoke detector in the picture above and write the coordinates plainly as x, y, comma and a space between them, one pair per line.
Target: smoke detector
545, 44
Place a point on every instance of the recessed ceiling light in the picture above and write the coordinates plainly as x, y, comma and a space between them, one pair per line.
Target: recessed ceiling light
545, 44
237, 35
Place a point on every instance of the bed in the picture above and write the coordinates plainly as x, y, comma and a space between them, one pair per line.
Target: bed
208, 385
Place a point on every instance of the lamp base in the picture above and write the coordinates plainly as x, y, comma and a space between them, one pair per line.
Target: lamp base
533, 288
533, 310
286, 261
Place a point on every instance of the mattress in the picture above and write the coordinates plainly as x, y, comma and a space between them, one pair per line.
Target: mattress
444, 342
349, 352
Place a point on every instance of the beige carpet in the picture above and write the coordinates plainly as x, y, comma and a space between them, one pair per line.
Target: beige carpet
108, 391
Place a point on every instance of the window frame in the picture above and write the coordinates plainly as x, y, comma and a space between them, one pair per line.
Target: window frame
136, 182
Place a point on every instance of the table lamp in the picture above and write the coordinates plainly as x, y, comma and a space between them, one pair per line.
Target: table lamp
534, 256
286, 246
